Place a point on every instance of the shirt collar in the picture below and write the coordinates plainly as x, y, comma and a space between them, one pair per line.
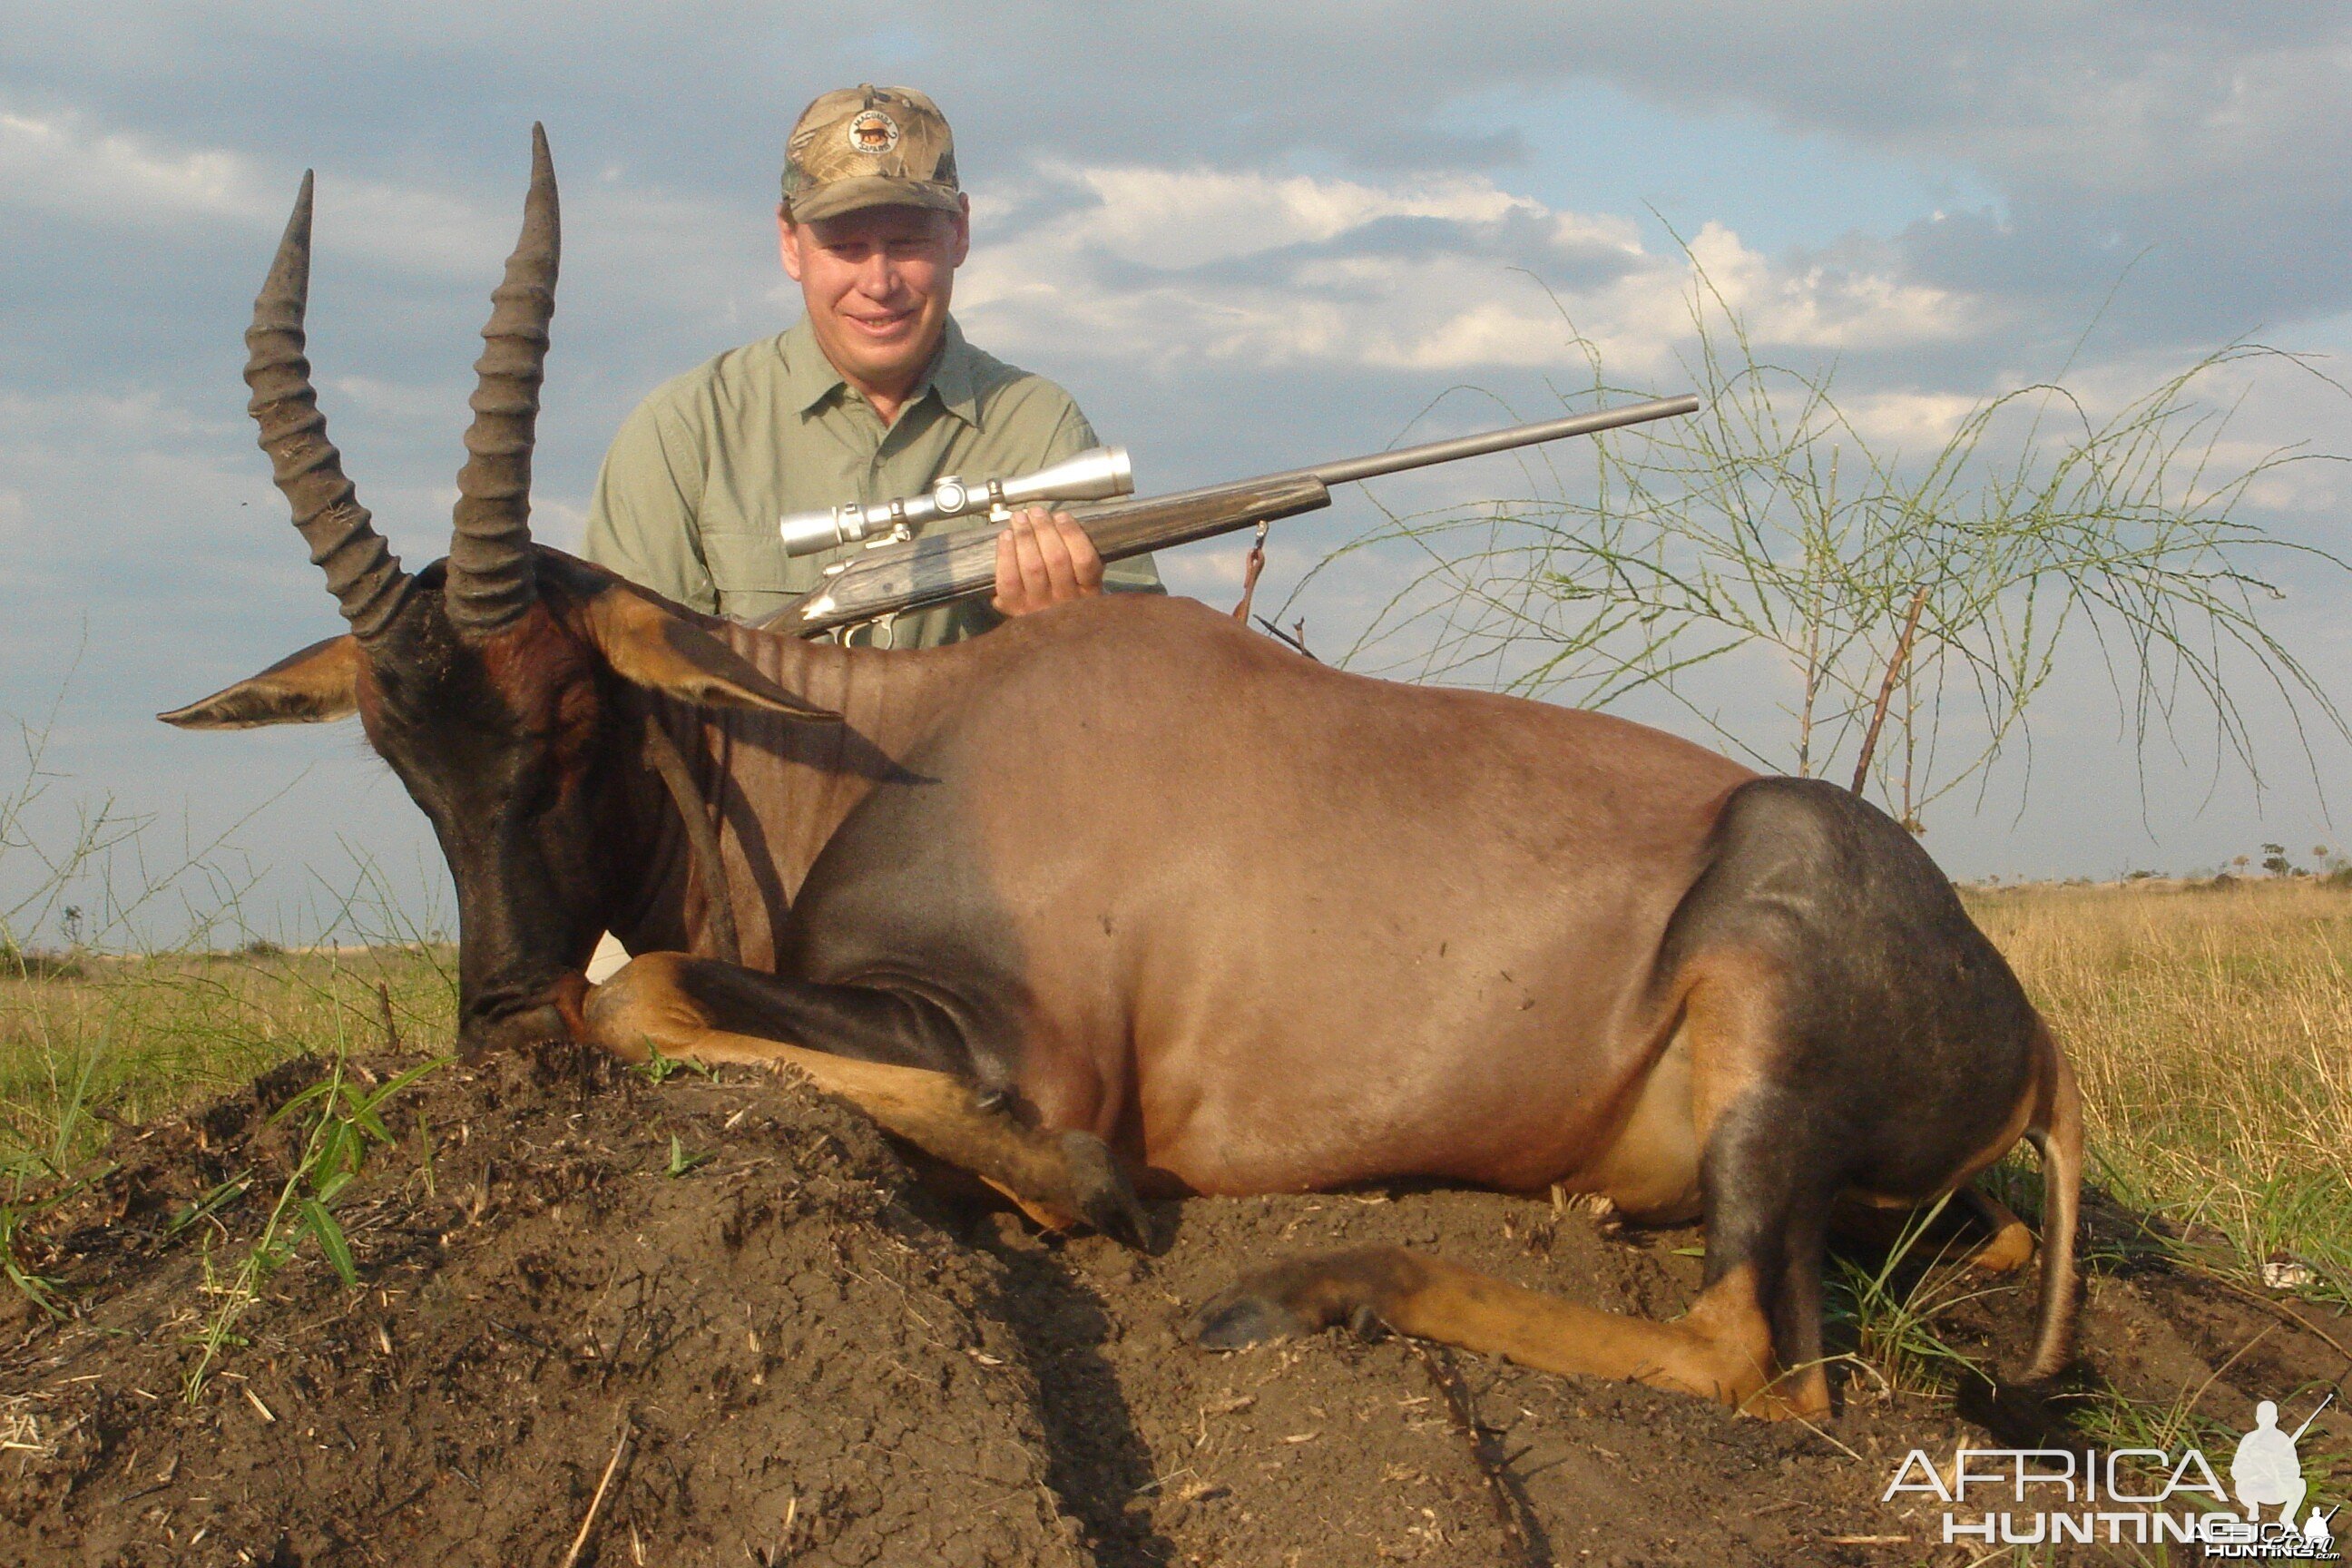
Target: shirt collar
811, 378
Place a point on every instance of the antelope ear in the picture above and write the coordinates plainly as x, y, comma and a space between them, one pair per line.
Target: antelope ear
308, 687
649, 647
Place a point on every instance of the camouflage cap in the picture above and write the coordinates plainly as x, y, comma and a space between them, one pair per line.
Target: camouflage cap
869, 146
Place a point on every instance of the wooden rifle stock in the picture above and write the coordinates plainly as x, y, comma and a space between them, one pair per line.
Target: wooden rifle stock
950, 564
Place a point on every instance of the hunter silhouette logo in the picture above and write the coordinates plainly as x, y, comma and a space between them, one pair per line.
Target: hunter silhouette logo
873, 134
2056, 1496
2267, 1471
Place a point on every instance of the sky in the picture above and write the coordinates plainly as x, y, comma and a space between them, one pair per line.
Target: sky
1246, 238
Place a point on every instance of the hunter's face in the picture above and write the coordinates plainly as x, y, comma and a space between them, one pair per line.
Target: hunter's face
877, 284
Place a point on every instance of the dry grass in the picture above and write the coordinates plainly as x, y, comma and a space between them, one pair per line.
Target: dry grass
2212, 1028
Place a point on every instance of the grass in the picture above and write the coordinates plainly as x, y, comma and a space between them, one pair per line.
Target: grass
2211, 1030
117, 1041
126, 1039
1771, 577
1892, 1306
342, 1124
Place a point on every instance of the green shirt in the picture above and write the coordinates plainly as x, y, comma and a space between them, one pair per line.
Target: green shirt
688, 498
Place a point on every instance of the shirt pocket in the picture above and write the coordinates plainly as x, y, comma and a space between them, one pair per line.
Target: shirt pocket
754, 576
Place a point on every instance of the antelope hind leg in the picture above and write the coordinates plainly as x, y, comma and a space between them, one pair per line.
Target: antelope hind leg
1765, 1214
1060, 1180
2013, 1245
1721, 1350
1998, 1242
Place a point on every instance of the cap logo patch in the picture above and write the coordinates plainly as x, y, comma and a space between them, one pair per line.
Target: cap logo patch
873, 134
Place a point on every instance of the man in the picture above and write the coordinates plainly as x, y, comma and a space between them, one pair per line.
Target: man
874, 395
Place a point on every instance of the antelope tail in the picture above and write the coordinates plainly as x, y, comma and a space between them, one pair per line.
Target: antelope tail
2057, 1136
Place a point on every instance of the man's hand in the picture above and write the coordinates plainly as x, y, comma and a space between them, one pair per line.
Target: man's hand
1041, 560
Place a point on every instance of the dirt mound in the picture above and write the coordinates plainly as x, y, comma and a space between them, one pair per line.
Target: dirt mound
803, 1365
727, 1305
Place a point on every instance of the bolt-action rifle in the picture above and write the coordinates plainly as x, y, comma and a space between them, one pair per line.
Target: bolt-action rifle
902, 572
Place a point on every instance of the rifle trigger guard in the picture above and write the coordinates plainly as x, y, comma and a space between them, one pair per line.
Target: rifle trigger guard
882, 632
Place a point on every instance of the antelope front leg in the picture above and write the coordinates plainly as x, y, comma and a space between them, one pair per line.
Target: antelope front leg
680, 1006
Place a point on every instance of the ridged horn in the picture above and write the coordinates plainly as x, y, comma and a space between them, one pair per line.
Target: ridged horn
361, 571
490, 580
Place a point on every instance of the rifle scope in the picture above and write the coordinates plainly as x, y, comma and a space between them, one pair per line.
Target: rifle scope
1100, 474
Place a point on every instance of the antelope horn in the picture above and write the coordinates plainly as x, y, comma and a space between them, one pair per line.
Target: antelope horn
490, 580
361, 571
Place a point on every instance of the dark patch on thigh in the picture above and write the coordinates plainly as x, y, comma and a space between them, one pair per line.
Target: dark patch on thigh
1900, 1028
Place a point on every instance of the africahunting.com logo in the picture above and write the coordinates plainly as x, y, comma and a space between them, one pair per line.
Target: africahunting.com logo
2033, 1496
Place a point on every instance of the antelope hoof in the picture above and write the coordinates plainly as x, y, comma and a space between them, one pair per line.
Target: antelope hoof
1796, 1396
1241, 1318
2011, 1249
1101, 1192
1359, 1288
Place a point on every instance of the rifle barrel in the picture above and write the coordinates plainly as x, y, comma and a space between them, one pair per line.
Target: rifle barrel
1428, 453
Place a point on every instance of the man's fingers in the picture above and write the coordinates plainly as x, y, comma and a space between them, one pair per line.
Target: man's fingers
1016, 579
1085, 562
1053, 551
1029, 562
1011, 600
1041, 560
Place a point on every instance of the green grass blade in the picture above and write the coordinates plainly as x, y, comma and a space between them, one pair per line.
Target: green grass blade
332, 1240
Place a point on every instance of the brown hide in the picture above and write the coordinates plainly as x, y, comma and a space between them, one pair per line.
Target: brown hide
1278, 926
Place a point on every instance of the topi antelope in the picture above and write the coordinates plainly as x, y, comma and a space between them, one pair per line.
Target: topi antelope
1123, 896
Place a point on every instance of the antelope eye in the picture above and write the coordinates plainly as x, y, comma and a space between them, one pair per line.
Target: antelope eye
542, 791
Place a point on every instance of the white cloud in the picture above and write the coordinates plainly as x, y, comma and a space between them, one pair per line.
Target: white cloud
1826, 309
1204, 265
59, 161
47, 423
65, 165
428, 405
1186, 217
1914, 423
